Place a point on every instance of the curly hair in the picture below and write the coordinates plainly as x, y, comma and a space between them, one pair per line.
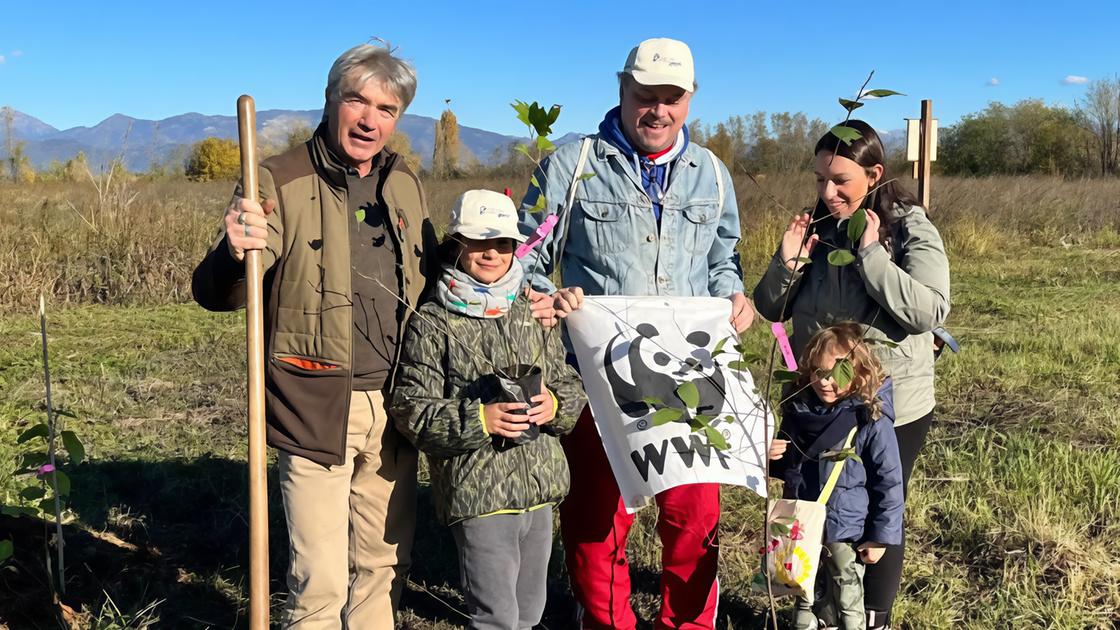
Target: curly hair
846, 338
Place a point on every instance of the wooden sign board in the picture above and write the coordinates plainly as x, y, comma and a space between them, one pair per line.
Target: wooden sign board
913, 132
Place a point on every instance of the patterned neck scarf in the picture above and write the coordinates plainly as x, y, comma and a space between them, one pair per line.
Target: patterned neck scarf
458, 292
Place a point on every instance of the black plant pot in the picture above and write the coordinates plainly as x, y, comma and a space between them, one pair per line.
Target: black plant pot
519, 383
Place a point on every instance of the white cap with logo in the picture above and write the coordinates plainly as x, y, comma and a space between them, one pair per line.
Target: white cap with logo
662, 61
484, 214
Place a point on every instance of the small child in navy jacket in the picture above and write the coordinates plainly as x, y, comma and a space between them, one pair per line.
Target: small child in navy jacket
864, 513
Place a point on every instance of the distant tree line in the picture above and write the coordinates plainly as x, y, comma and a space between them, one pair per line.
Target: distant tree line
1033, 137
1026, 137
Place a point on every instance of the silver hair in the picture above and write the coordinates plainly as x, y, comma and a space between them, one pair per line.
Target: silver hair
368, 62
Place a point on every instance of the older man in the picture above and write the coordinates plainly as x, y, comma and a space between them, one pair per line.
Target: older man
346, 242
658, 217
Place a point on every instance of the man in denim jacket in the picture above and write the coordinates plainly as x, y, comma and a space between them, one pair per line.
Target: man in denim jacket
658, 217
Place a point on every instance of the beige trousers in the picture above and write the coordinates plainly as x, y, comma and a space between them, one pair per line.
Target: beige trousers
350, 527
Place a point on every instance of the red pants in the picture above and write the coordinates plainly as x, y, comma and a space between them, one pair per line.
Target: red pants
594, 526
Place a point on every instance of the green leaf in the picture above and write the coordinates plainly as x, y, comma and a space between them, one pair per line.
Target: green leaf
533, 182
803, 260
846, 134
63, 481
739, 366
716, 438
843, 372
540, 204
841, 257
46, 506
653, 401
719, 346
19, 510
703, 419
665, 416
689, 394
729, 419
856, 225
32, 461
751, 357
779, 529
6, 549
522, 109
539, 119
553, 114
544, 144
523, 149
841, 455
32, 493
73, 446
39, 430
360, 215
785, 376
881, 93
850, 105
586, 176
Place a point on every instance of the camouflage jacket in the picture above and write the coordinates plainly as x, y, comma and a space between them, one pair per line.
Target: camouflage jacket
441, 382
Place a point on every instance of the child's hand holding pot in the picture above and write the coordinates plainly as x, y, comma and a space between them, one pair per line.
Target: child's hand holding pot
544, 406
506, 419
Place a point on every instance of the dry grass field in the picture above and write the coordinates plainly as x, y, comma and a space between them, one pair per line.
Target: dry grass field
1015, 507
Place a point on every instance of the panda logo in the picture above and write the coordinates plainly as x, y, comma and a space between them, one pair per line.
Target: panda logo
653, 383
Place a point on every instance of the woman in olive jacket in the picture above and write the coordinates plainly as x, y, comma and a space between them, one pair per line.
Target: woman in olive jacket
893, 278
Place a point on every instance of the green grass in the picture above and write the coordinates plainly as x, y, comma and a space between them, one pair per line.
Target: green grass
1014, 513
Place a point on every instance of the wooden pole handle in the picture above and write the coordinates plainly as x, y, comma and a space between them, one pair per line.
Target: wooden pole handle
254, 327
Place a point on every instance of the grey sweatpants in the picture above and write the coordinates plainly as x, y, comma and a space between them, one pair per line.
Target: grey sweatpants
841, 603
503, 564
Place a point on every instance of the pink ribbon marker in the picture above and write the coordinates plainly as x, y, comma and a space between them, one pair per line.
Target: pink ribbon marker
542, 231
783, 342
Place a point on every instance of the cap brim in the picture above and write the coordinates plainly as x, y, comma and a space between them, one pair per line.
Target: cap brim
655, 78
479, 233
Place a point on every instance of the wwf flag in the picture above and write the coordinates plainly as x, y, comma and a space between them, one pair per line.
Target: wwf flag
636, 355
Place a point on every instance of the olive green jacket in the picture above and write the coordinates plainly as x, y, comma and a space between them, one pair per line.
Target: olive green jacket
307, 289
442, 380
901, 296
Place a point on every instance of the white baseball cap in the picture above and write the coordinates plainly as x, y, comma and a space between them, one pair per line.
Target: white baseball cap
662, 61
483, 214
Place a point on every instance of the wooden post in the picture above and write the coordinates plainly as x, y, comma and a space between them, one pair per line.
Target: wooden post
254, 337
925, 149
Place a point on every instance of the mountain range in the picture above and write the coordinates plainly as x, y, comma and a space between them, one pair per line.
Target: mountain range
144, 143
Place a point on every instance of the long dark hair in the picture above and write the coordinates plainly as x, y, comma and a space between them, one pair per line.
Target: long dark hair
868, 151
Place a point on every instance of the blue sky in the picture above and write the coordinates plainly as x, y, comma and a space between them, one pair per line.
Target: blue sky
73, 63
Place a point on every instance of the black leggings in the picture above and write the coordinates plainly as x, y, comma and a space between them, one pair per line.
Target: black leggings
881, 580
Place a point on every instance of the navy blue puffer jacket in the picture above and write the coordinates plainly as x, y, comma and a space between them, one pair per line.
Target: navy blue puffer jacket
866, 505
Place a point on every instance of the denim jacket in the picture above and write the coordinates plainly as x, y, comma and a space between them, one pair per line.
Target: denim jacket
614, 243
